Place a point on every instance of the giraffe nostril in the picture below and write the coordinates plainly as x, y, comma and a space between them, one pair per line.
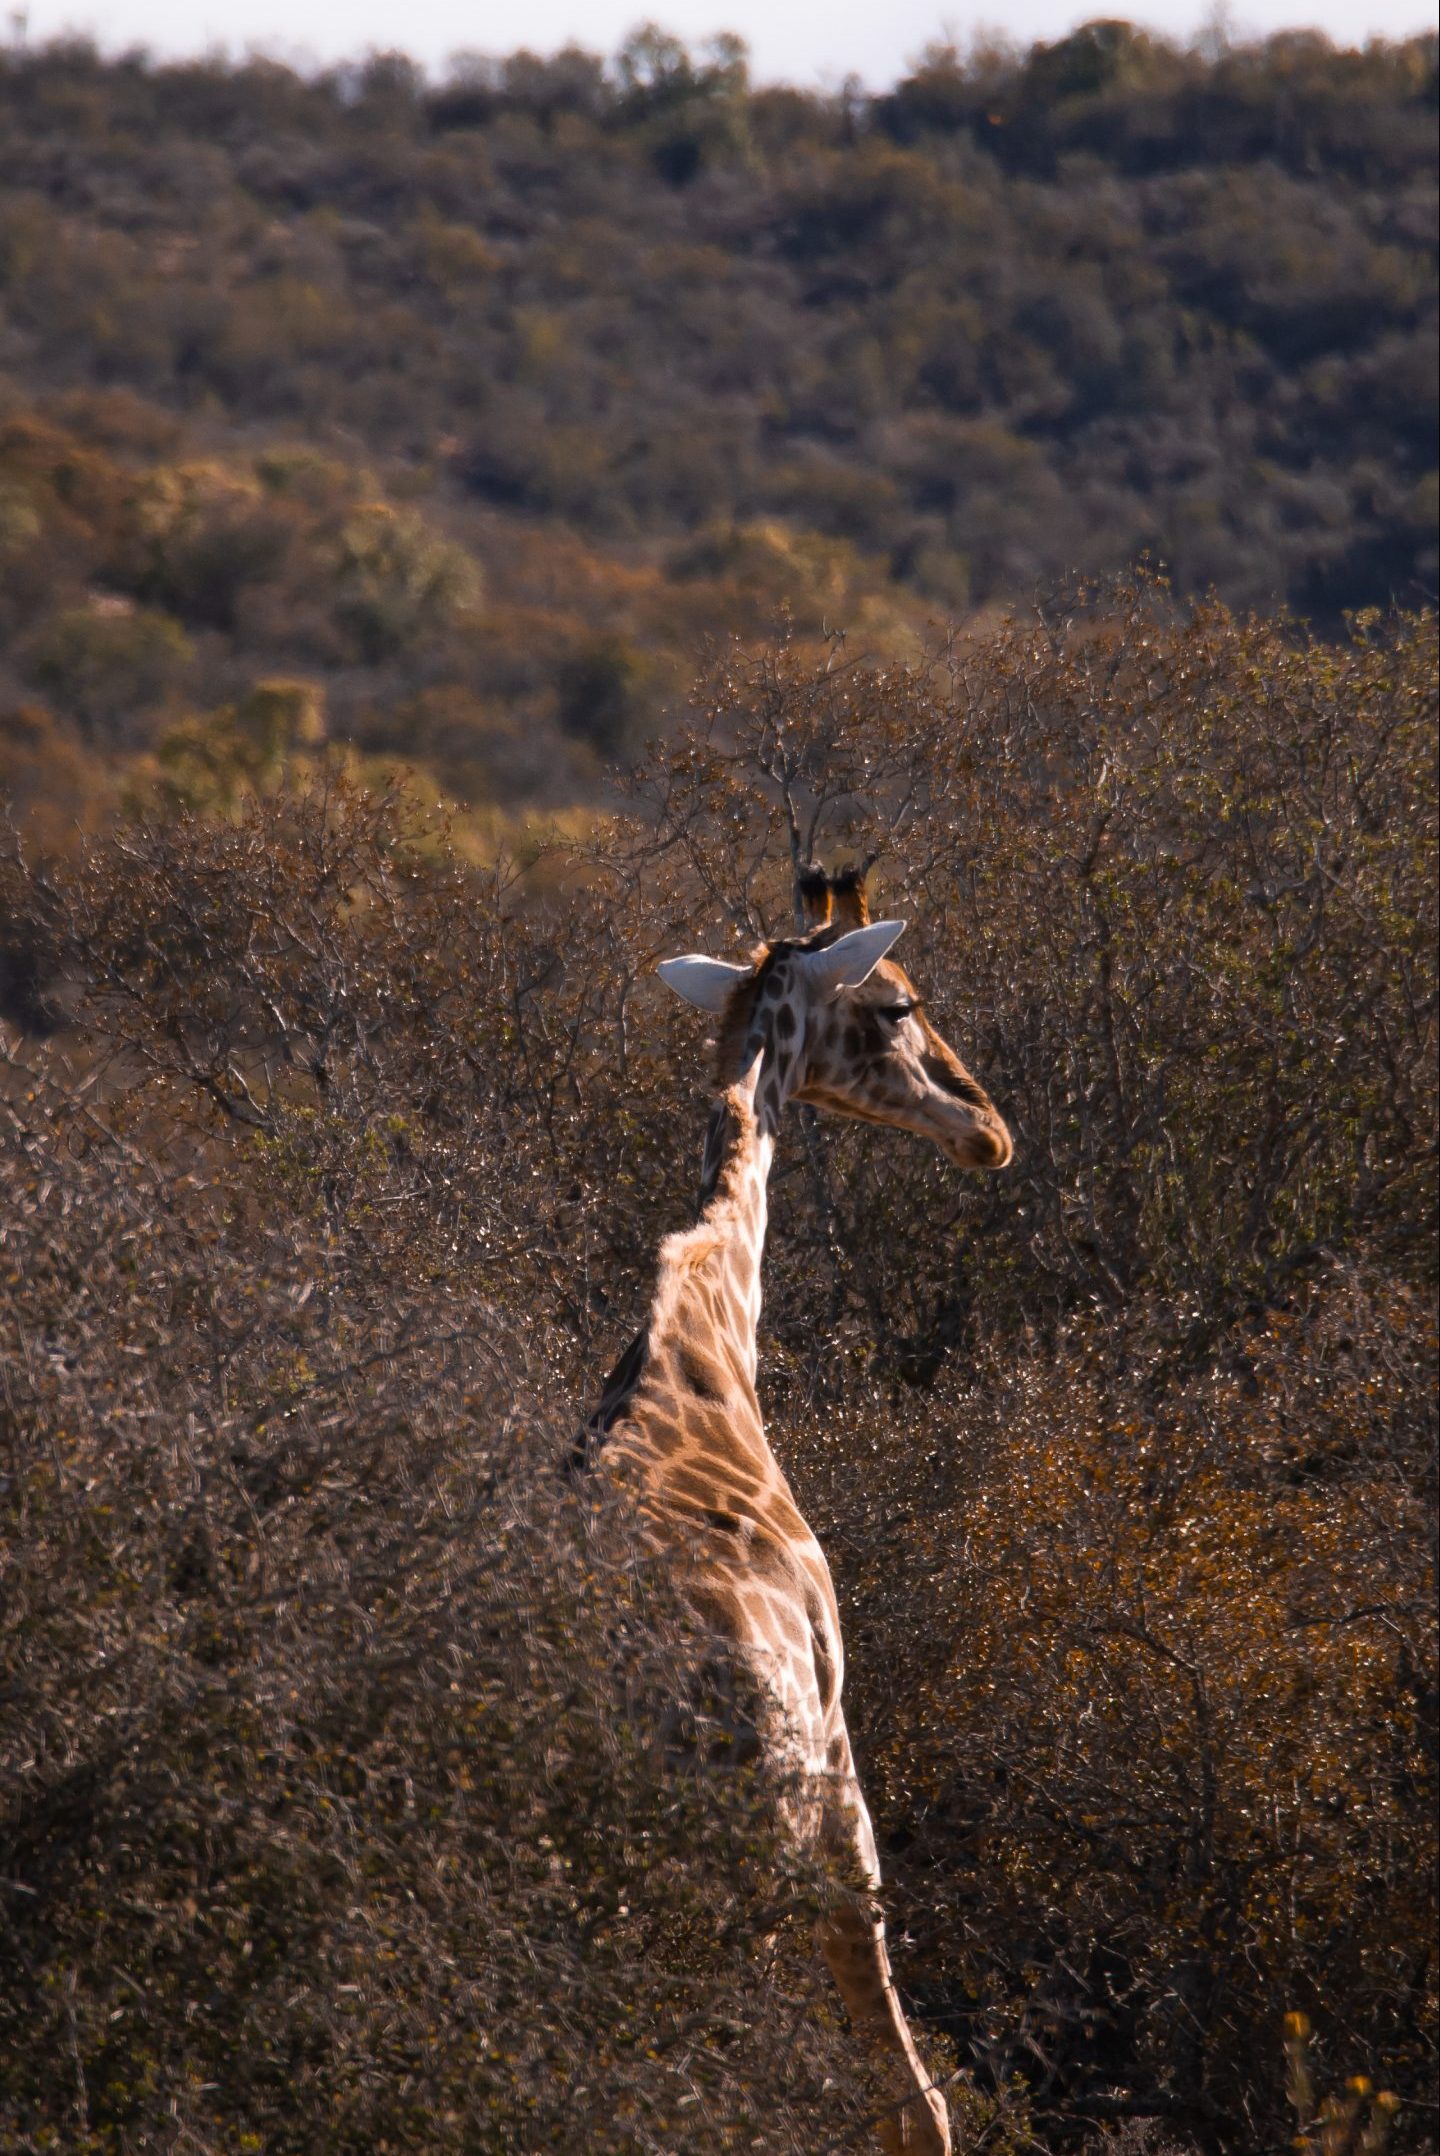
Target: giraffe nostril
993, 1148
978, 1145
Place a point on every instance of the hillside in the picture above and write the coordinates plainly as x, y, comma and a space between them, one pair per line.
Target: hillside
477, 405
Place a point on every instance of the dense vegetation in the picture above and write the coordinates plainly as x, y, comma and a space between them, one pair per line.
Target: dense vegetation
331, 1814
477, 404
360, 419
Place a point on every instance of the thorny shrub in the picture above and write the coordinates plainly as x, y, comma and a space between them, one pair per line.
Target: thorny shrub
331, 1812
334, 1809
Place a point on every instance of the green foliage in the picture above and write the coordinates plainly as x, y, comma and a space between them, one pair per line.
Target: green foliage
107, 661
396, 580
207, 534
603, 696
287, 563
688, 114
267, 741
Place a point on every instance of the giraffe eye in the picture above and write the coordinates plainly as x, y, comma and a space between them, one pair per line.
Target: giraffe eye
893, 1013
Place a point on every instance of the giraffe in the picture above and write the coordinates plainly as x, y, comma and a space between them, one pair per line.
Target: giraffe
822, 1017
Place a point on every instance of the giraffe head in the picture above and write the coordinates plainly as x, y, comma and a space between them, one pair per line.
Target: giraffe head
841, 1026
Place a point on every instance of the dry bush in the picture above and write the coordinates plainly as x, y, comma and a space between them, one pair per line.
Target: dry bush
1169, 881
1158, 1757
334, 1809
1125, 1459
352, 1186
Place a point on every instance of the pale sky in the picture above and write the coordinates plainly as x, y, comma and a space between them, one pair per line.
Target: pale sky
801, 41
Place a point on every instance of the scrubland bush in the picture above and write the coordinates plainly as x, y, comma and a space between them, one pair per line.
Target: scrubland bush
109, 660
333, 1808
206, 535
398, 580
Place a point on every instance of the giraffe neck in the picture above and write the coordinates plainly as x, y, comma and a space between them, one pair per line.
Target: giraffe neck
709, 1275
739, 1147
734, 1213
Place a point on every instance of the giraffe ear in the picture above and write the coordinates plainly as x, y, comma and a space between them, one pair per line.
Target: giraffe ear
853, 958
705, 982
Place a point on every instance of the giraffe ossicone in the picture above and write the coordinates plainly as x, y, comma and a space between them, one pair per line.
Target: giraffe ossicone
824, 1017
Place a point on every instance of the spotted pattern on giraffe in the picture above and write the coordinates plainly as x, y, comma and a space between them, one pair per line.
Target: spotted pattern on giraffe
825, 1018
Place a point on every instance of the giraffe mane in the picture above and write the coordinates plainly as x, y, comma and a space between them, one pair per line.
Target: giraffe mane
690, 1248
733, 1033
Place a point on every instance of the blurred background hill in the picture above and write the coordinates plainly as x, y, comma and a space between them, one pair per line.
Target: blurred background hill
467, 409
